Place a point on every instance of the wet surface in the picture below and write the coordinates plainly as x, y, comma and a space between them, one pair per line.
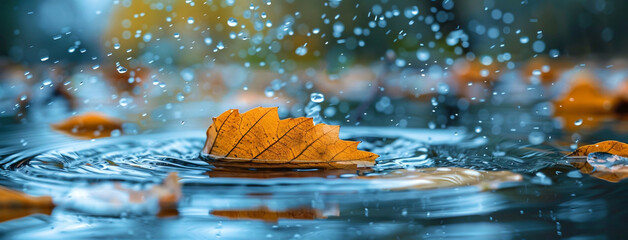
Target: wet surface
553, 200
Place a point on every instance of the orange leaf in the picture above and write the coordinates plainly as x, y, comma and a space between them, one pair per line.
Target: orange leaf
258, 139
89, 125
14, 204
612, 147
614, 174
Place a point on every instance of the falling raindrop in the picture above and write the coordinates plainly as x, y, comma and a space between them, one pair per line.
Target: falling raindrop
232, 22
147, 37
317, 97
578, 122
190, 20
125, 101
423, 55
120, 68
302, 50
269, 92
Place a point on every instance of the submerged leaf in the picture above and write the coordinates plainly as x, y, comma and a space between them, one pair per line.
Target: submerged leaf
598, 167
258, 139
89, 126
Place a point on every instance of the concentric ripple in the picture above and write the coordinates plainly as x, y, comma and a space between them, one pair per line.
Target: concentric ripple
148, 158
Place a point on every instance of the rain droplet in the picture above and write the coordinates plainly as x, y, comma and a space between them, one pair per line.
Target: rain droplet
190, 20
125, 101
423, 54
317, 97
269, 92
121, 69
232, 22
578, 122
414, 10
536, 138
208, 41
147, 37
43, 59
302, 50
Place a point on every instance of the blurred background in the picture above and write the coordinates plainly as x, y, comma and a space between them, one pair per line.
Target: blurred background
492, 66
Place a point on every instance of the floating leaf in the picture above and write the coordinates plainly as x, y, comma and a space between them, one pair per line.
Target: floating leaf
597, 167
266, 214
258, 139
430, 178
14, 204
612, 147
89, 126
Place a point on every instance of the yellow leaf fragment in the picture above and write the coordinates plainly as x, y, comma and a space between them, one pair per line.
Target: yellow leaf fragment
89, 126
614, 174
258, 139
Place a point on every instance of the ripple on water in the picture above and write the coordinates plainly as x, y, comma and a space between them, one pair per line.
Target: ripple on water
148, 158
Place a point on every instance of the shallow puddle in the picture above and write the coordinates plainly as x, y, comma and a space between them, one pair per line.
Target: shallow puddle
380, 202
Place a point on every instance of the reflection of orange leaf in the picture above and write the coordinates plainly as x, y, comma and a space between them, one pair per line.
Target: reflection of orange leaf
430, 178
612, 147
10, 214
258, 139
265, 214
275, 173
14, 204
89, 125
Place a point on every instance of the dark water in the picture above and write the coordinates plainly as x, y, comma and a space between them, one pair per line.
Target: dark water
553, 200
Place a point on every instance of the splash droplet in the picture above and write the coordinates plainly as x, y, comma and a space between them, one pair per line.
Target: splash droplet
232, 22
317, 97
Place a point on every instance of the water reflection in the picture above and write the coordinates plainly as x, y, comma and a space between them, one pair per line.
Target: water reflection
334, 204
